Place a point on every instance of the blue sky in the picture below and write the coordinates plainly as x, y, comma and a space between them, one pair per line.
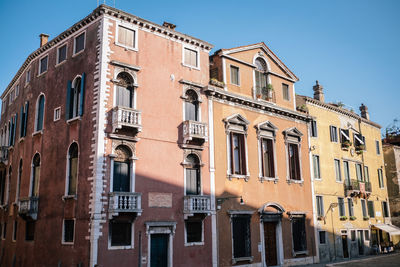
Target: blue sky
351, 47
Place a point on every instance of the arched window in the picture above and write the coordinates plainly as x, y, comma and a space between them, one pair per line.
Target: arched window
75, 96
72, 169
191, 106
193, 186
125, 90
9, 184
122, 170
35, 175
39, 113
261, 77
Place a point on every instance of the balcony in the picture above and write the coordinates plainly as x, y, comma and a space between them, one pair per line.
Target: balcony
356, 188
196, 204
124, 117
266, 93
194, 130
28, 207
126, 202
4, 154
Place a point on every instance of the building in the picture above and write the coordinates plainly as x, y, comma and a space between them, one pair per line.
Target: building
104, 148
351, 200
260, 166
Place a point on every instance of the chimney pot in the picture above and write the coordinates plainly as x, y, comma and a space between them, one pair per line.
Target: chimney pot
43, 39
318, 92
364, 111
169, 25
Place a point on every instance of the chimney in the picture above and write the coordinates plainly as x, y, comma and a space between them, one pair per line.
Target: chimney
43, 39
364, 111
318, 93
169, 25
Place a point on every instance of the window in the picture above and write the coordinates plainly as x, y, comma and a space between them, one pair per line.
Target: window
125, 90
285, 91
122, 170
235, 75
238, 154
320, 206
346, 172
359, 141
366, 235
14, 237
35, 175
16, 90
30, 231
61, 54
193, 186
43, 64
24, 120
366, 174
13, 128
5, 230
344, 136
378, 151
342, 209
299, 234
317, 173
79, 43
191, 106
126, 37
75, 97
72, 169
2, 187
194, 230
57, 113
363, 208
385, 210
120, 233
68, 231
241, 236
333, 131
190, 57
28, 76
294, 163
338, 172
353, 235
359, 172
380, 178
18, 181
322, 237
314, 130
267, 158
39, 113
350, 206
371, 209
261, 78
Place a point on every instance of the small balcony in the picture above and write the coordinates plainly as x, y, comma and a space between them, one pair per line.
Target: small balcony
357, 188
126, 202
194, 130
266, 93
124, 117
28, 207
4, 154
196, 204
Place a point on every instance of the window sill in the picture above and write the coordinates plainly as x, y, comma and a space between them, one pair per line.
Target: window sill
119, 247
43, 73
268, 179
21, 139
78, 53
68, 197
239, 176
249, 259
190, 66
290, 181
339, 182
40, 132
67, 243
300, 253
130, 48
194, 244
77, 118
60, 63
317, 179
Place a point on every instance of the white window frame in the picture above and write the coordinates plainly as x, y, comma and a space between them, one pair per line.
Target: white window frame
199, 101
319, 166
289, 138
37, 114
321, 205
66, 195
201, 243
130, 27
267, 130
28, 77
57, 111
58, 53
132, 246
288, 92
198, 56
378, 147
134, 77
132, 166
238, 73
40, 64
336, 133
340, 170
84, 43
63, 232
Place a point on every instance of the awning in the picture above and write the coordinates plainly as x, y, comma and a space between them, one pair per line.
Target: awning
388, 228
344, 134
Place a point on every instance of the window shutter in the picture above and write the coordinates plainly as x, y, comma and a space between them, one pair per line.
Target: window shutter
25, 117
82, 95
15, 127
67, 107
232, 155
21, 123
242, 155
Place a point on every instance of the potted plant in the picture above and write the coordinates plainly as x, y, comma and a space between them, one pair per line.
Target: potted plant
353, 218
320, 218
360, 147
346, 144
217, 83
343, 218
365, 218
270, 90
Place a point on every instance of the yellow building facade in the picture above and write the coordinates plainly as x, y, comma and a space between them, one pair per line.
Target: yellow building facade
350, 194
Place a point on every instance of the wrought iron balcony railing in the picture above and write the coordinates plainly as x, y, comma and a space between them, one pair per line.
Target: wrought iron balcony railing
29, 207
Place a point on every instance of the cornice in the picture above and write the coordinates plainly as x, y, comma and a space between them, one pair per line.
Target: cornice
254, 104
191, 83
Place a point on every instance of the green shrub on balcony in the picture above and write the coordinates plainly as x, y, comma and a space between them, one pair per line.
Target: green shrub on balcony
353, 218
365, 218
343, 218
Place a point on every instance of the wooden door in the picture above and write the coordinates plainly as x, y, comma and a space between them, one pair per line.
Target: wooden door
344, 246
159, 250
271, 257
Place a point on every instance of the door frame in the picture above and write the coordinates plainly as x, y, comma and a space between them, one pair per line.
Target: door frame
278, 236
160, 228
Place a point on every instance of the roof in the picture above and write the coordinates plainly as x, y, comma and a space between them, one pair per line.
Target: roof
388, 228
266, 49
95, 14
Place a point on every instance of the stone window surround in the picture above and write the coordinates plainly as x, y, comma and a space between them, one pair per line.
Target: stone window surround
266, 130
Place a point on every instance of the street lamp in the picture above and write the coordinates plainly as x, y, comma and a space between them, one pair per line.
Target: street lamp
220, 200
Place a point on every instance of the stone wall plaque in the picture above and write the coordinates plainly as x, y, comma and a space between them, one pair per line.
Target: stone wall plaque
160, 200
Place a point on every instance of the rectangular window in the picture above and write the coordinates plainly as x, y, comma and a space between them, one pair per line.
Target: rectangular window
299, 234
30, 231
285, 91
333, 131
366, 174
120, 233
378, 150
238, 154
366, 235
68, 232
359, 172
5, 230
359, 141
380, 178
194, 231
338, 172
385, 210
28, 76
294, 162
126, 36
322, 237
344, 136
314, 130
241, 236
23, 120
16, 90
235, 75
61, 54
350, 207
342, 209
371, 209
79, 43
346, 171
364, 208
320, 206
317, 174
43, 64
190, 57
353, 235
57, 113
267, 158
15, 231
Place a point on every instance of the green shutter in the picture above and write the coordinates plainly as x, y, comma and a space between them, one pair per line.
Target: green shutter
15, 127
67, 107
21, 123
25, 118
82, 95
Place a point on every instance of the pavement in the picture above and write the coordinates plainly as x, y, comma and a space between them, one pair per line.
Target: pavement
384, 260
